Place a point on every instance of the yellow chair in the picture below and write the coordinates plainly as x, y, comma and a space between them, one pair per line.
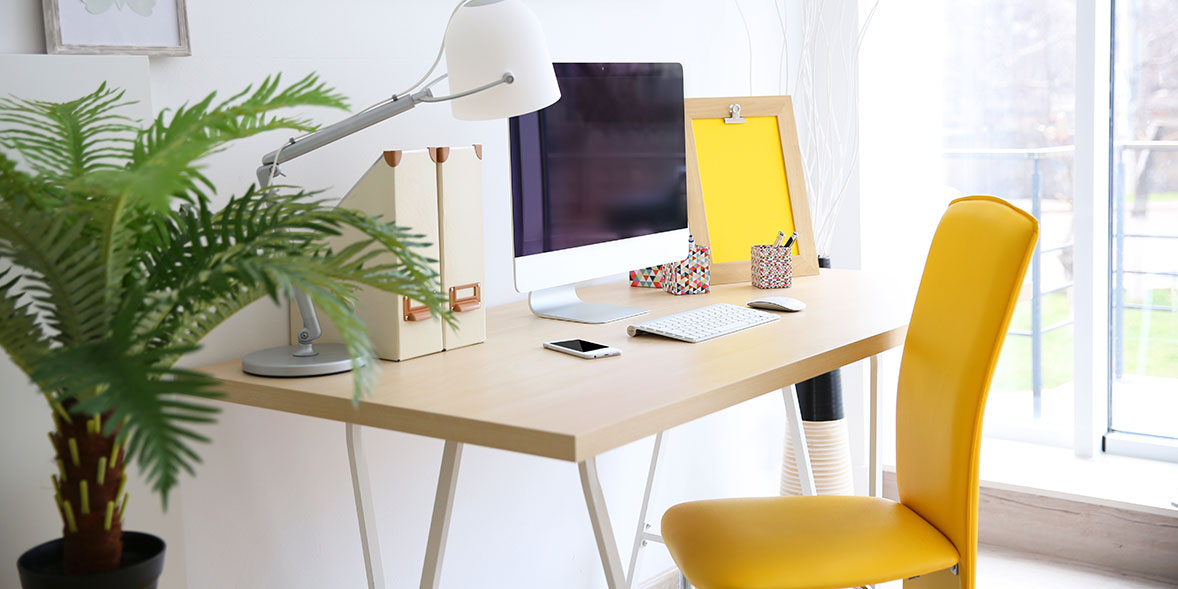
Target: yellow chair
971, 283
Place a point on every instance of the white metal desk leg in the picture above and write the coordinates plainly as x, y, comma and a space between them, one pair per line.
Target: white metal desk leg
363, 494
801, 452
875, 447
641, 535
439, 527
607, 544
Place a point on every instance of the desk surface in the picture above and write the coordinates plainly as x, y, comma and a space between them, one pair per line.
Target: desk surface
512, 394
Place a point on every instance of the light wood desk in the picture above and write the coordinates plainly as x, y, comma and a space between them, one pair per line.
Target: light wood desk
510, 393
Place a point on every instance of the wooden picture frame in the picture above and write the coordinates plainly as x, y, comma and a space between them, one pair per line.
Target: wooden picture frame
752, 182
116, 27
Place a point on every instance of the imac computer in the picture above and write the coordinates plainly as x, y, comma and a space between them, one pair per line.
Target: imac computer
599, 184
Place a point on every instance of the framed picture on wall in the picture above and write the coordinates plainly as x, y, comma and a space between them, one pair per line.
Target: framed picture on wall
108, 27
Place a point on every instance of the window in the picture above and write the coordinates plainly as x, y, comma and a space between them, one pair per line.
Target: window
983, 104
1143, 344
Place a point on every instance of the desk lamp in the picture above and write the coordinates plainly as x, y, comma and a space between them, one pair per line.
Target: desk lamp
498, 65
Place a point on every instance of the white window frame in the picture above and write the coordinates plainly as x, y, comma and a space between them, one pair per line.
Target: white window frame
1091, 203
1102, 436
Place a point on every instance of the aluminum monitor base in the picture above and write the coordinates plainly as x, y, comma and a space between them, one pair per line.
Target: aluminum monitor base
562, 302
281, 361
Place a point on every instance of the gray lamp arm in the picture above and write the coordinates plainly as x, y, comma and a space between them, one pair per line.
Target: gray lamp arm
336, 131
360, 121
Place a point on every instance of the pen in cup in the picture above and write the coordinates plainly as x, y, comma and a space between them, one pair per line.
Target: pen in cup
791, 241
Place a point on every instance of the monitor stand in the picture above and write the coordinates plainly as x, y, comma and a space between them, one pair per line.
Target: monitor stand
562, 302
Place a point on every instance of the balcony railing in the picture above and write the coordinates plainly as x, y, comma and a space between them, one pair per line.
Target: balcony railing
1119, 236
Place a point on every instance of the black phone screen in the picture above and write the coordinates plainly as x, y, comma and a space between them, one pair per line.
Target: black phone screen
579, 345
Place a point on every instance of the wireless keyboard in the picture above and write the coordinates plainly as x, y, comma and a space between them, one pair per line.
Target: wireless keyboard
703, 323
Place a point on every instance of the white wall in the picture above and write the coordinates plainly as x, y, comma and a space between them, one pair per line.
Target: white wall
272, 505
904, 191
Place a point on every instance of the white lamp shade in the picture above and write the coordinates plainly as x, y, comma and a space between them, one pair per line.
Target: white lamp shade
488, 38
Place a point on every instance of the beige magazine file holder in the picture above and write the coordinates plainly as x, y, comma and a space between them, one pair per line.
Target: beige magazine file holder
460, 210
436, 193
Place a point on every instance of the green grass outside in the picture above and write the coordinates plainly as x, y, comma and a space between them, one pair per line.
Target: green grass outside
1160, 329
1153, 197
1161, 341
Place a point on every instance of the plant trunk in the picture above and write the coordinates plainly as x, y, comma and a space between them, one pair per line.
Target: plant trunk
89, 483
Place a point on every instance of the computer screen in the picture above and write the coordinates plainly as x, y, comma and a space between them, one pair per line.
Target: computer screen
605, 162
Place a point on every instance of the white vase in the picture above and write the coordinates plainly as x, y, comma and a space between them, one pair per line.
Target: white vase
830, 459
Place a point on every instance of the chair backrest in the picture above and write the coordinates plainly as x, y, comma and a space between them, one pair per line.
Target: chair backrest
971, 282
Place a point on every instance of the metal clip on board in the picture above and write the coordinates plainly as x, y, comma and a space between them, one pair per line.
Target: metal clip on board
734, 117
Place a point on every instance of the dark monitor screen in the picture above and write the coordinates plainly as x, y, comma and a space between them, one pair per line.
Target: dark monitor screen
605, 162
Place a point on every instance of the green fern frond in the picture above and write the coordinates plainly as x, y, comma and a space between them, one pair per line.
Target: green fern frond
411, 274
333, 299
187, 325
64, 276
163, 162
20, 335
65, 140
221, 249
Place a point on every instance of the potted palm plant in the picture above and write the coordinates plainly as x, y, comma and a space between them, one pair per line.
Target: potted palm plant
113, 266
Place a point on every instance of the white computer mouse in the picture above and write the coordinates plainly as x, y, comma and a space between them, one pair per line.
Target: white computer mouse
777, 304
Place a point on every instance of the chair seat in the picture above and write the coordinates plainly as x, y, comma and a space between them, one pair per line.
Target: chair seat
824, 542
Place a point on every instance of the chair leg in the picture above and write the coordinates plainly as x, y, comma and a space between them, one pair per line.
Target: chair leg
938, 580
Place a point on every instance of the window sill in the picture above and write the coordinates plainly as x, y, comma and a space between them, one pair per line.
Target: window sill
1115, 481
1122, 482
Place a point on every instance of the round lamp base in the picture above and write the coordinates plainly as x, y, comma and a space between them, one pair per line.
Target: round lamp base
281, 361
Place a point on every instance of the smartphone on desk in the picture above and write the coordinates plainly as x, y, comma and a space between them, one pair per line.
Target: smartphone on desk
583, 348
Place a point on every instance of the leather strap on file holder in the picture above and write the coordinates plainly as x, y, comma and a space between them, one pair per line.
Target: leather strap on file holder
392, 158
439, 154
466, 303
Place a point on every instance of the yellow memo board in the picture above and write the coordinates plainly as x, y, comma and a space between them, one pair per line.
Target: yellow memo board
745, 182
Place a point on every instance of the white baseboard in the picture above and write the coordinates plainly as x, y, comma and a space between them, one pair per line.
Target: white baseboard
668, 579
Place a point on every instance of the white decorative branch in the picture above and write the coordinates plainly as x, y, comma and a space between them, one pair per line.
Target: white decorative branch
828, 121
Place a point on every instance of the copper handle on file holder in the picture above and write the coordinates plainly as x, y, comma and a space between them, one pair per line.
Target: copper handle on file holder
418, 313
466, 303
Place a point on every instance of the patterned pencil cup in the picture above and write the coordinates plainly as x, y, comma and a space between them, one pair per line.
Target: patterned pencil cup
691, 276
650, 277
772, 266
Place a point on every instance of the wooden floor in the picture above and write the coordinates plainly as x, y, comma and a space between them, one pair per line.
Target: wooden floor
1002, 568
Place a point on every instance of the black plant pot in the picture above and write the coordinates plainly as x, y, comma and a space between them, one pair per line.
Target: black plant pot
143, 562
821, 397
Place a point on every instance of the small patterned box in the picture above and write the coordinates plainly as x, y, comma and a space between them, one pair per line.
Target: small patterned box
691, 276
772, 266
651, 277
